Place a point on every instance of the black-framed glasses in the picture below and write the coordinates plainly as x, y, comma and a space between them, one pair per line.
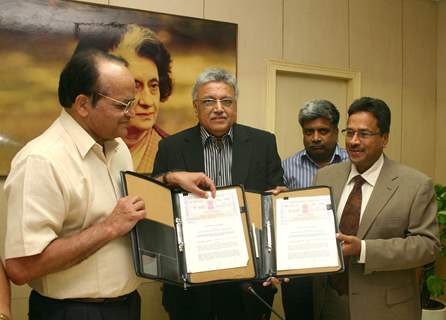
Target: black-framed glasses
361, 134
124, 106
212, 103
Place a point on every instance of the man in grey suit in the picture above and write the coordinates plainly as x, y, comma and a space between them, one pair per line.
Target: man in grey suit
394, 231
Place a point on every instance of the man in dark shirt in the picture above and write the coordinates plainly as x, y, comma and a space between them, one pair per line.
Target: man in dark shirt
229, 153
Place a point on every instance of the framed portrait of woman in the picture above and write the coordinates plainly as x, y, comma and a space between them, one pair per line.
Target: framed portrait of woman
164, 52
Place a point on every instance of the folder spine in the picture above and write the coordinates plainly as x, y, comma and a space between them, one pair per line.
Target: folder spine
179, 228
269, 243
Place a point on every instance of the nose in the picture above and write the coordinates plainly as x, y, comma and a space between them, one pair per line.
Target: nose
146, 99
218, 106
316, 137
355, 139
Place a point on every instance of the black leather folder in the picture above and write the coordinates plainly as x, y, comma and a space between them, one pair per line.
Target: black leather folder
159, 249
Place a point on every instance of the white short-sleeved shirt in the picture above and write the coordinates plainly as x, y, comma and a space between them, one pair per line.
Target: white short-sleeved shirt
60, 183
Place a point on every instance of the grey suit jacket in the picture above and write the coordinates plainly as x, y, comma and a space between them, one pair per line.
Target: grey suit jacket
400, 229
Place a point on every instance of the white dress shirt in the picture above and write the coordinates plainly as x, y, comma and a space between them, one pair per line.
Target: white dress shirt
370, 176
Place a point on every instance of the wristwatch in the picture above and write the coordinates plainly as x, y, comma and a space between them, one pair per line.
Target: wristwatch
3, 316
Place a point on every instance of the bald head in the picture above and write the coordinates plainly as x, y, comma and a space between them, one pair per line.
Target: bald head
112, 76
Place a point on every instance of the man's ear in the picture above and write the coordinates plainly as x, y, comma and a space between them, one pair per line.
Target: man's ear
385, 139
82, 105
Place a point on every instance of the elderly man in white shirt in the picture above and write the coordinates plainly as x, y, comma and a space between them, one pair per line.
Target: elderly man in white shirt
67, 224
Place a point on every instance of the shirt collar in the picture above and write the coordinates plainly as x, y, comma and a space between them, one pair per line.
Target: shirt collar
206, 136
82, 140
371, 174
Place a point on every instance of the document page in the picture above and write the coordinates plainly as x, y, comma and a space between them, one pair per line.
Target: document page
213, 232
305, 233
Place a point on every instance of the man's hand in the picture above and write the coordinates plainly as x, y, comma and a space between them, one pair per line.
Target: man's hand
274, 281
278, 190
351, 245
195, 182
65, 252
127, 212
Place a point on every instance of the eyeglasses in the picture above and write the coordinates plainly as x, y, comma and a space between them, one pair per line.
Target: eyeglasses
362, 134
124, 106
212, 103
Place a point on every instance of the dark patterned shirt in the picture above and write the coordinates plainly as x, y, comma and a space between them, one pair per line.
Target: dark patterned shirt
217, 157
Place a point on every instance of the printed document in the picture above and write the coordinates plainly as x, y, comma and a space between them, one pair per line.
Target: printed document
305, 233
213, 232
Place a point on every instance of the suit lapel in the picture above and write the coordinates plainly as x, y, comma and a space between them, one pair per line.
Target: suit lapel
339, 180
385, 188
241, 153
193, 151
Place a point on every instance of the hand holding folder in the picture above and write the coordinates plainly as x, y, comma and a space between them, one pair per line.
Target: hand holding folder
177, 222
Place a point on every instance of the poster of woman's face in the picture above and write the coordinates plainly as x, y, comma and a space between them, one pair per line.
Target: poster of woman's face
165, 54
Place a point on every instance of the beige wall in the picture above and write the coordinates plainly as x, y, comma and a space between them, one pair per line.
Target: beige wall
440, 163
399, 47
419, 84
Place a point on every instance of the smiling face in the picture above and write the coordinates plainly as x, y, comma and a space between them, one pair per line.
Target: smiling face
364, 152
320, 139
217, 119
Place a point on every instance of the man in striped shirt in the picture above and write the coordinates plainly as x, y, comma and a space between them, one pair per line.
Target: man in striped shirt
229, 153
319, 121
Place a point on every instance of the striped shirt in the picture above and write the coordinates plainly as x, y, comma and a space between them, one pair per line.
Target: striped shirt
217, 157
300, 169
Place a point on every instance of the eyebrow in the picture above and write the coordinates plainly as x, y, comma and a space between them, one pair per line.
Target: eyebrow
214, 98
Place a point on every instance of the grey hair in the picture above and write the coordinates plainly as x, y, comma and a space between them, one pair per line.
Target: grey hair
315, 109
217, 75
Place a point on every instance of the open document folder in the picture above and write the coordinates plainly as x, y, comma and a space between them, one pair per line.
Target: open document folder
296, 232
189, 241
